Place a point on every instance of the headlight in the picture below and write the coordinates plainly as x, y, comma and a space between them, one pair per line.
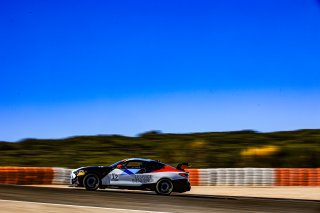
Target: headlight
81, 173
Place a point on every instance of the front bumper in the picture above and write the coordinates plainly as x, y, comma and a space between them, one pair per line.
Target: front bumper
76, 180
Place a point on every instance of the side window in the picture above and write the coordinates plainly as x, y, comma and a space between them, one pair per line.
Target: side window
133, 165
152, 166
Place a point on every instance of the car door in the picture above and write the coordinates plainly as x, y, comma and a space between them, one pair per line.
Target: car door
124, 174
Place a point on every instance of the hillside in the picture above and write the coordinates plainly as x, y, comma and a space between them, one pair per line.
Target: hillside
299, 148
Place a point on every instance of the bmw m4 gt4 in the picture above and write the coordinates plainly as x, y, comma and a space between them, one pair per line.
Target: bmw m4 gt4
134, 173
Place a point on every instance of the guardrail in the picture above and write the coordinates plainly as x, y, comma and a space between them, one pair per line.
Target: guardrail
232, 177
34, 175
255, 177
198, 177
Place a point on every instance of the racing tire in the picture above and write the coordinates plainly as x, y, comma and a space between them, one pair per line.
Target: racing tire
91, 182
164, 187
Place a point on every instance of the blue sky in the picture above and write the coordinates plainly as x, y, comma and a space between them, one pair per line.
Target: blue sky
126, 67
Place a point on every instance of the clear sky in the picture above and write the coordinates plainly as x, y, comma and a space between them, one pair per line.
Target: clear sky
125, 67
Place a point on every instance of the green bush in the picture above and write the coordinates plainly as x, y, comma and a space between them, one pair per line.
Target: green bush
299, 148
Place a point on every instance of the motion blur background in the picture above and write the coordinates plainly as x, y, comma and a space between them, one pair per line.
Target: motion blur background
73, 68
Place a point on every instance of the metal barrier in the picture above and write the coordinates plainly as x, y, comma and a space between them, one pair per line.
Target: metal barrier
255, 177
297, 177
34, 175
26, 175
197, 177
61, 176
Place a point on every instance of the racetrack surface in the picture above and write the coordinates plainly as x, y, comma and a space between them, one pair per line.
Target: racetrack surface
148, 201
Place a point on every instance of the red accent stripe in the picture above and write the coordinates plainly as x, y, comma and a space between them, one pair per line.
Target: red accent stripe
167, 169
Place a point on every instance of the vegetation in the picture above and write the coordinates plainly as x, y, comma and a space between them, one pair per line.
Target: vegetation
299, 148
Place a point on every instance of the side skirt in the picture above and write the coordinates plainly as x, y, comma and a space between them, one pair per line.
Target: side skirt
148, 187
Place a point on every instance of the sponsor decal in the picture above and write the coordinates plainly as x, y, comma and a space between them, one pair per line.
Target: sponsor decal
142, 179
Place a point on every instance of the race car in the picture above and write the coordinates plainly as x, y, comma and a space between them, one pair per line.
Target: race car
134, 173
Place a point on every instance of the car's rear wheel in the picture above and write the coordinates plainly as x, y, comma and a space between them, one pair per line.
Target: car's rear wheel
91, 182
164, 187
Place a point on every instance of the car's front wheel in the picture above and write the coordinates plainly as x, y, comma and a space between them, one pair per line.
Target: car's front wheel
91, 182
164, 187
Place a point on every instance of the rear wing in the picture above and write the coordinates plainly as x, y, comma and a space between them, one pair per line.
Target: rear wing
182, 166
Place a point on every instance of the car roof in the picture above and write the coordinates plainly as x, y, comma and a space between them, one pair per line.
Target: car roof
139, 159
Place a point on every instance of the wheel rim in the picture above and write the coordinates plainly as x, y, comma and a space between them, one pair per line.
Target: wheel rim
92, 182
165, 187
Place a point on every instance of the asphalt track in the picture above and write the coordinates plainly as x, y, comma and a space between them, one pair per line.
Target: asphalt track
149, 201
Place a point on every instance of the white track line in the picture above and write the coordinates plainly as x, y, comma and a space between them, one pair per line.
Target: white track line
79, 206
